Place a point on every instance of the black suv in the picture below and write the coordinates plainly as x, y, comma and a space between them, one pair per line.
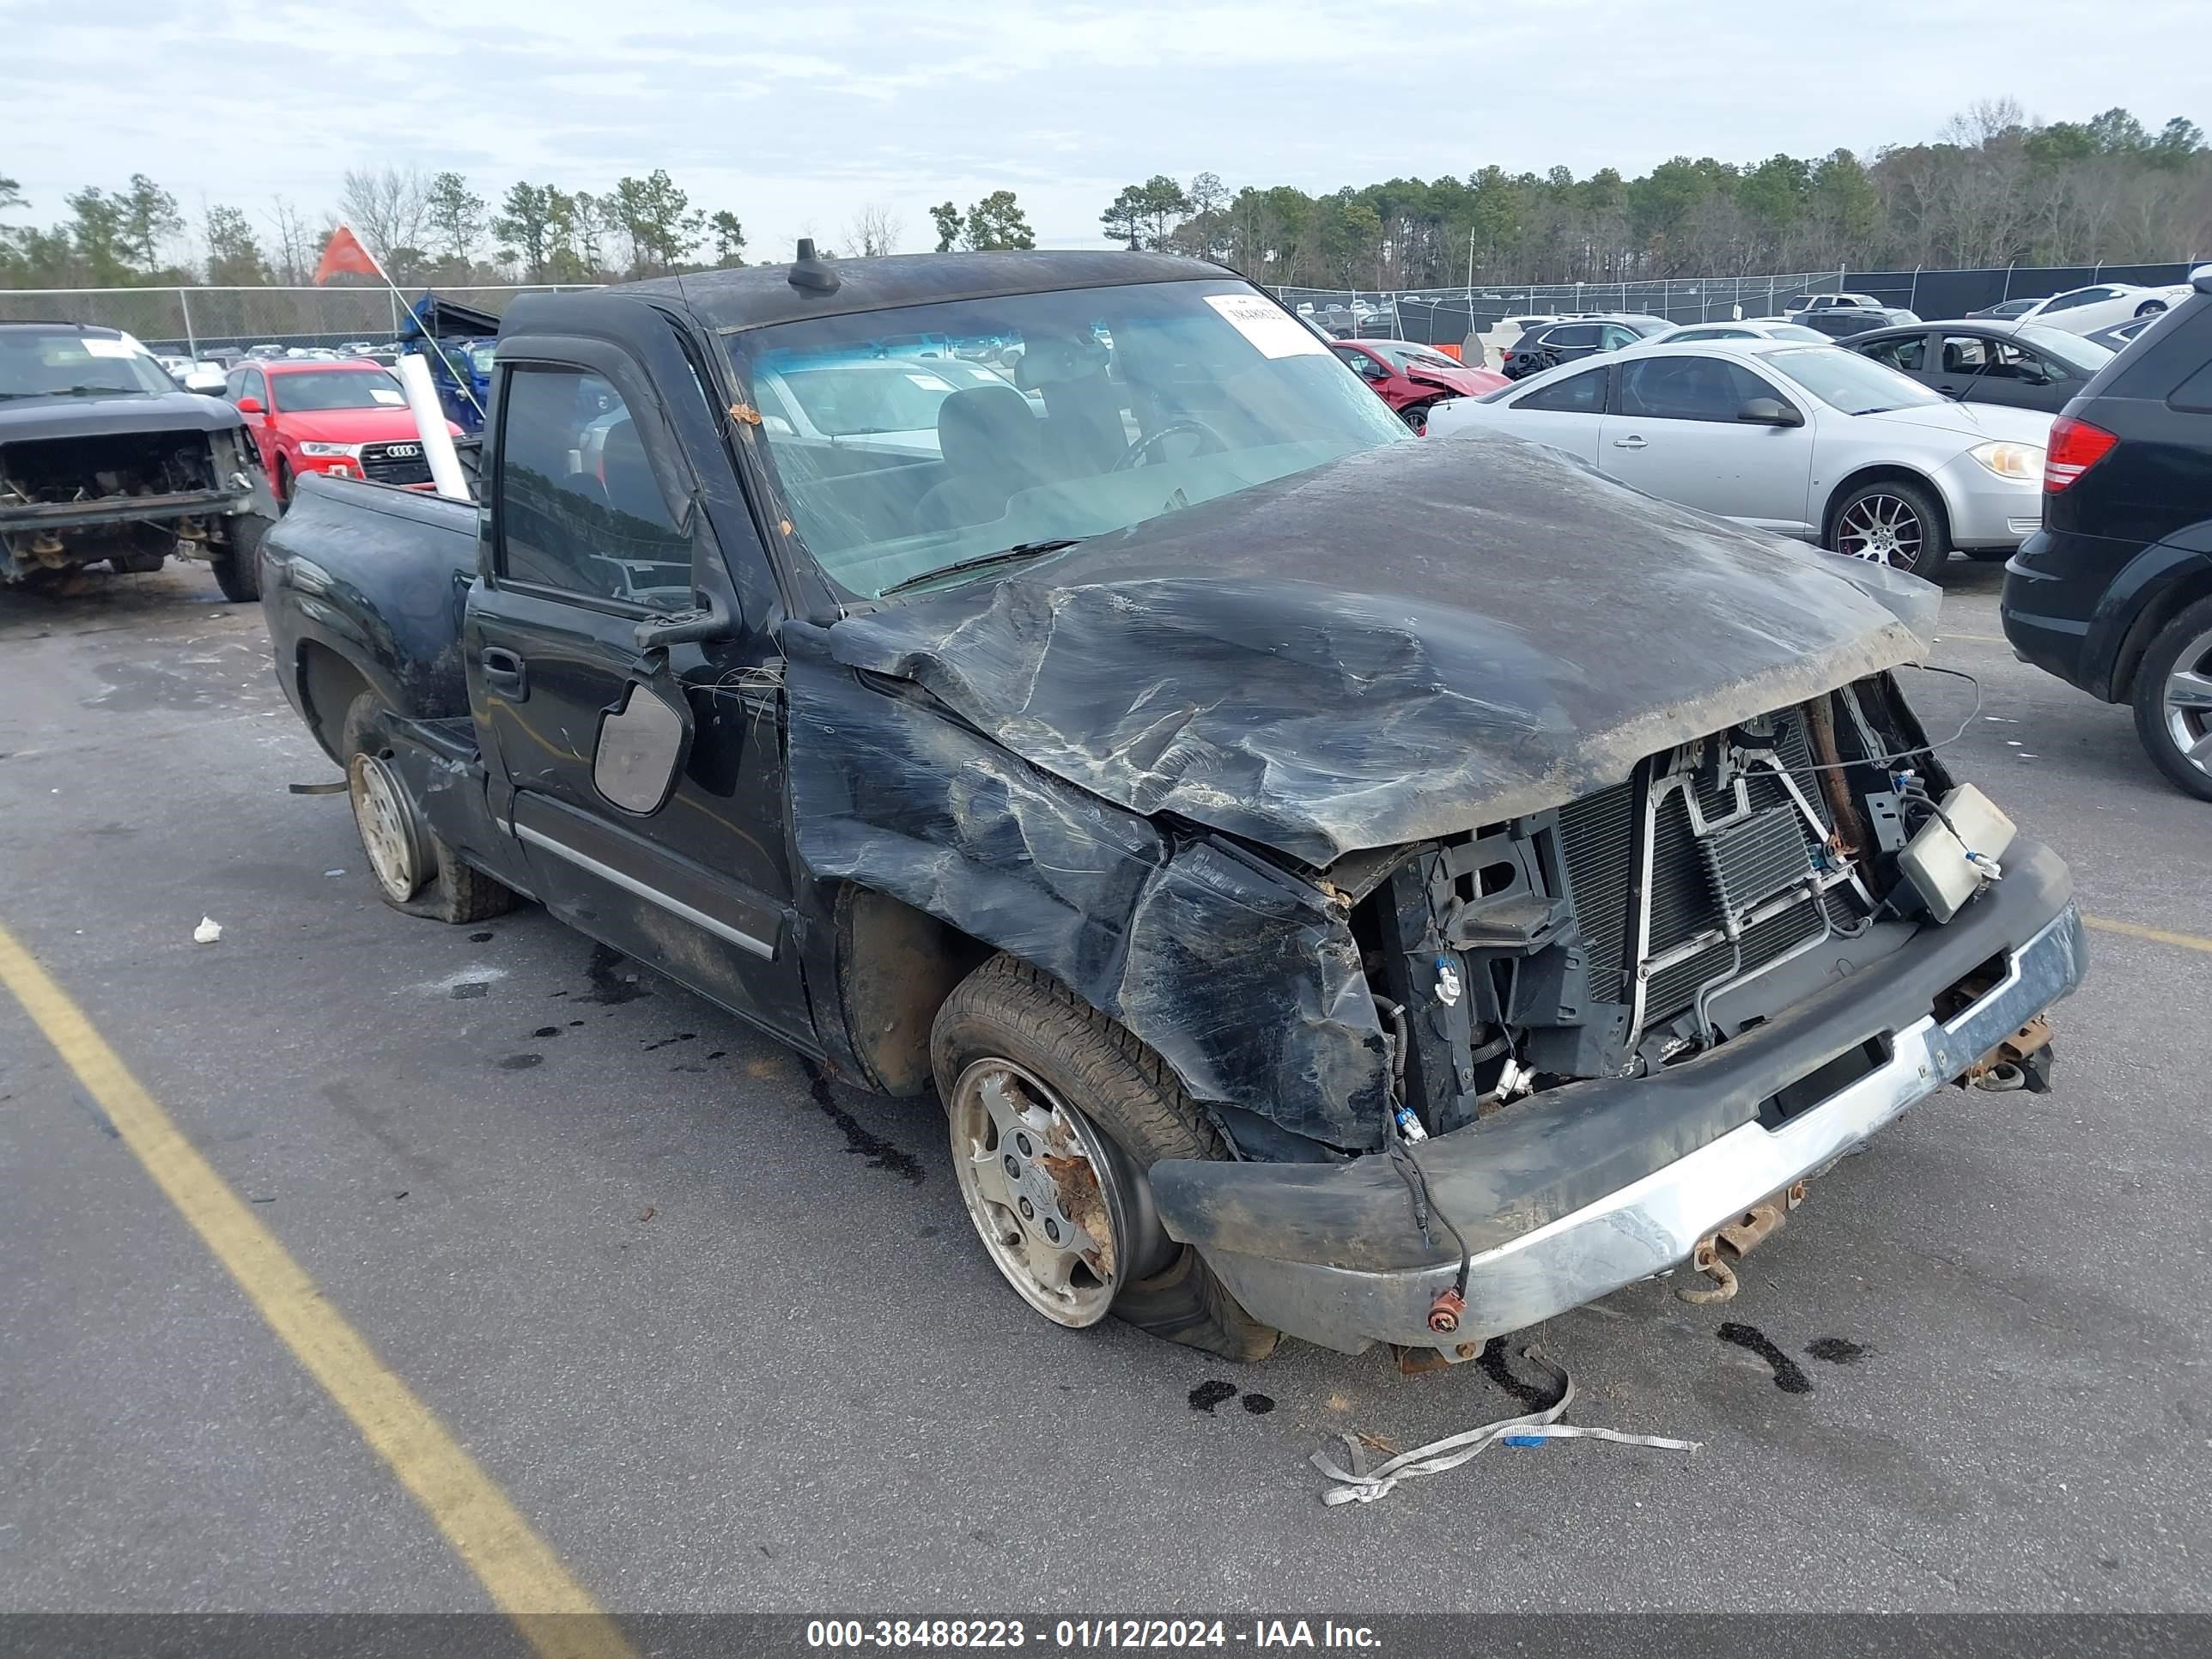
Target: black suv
2114, 593
1550, 344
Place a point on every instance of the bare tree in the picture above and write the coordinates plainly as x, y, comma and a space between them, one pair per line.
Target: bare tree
389, 206
293, 248
874, 231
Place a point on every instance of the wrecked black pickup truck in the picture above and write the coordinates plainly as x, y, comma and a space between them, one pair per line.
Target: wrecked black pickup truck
1336, 882
104, 459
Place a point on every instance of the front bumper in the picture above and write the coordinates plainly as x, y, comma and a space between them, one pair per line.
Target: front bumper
1571, 1195
1986, 510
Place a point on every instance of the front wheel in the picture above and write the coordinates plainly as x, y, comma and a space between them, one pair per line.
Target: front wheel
237, 564
2173, 699
414, 871
1055, 1115
281, 485
1416, 416
1893, 523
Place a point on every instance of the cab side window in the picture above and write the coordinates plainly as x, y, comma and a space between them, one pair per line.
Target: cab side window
1909, 354
580, 510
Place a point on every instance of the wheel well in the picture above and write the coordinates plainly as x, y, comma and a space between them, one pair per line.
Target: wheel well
1881, 474
2147, 626
328, 686
895, 966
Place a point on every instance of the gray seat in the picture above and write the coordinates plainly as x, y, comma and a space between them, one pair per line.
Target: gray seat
993, 447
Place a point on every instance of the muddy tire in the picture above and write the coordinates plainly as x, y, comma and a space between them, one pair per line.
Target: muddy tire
238, 566
411, 869
1008, 1011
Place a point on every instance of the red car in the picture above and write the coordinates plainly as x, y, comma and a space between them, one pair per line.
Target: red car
1411, 378
317, 415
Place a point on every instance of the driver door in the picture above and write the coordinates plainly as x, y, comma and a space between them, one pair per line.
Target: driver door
1674, 433
645, 786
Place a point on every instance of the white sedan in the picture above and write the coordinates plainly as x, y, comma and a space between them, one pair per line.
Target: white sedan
1750, 328
2085, 310
1810, 441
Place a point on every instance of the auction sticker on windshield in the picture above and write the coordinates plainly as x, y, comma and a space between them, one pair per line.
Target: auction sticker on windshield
98, 345
1267, 326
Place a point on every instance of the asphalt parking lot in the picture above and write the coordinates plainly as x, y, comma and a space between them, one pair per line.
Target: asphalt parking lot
722, 1335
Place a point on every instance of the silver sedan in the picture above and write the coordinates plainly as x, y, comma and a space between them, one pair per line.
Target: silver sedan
1810, 441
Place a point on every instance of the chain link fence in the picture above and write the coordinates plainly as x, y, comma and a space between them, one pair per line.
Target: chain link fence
189, 320
1450, 315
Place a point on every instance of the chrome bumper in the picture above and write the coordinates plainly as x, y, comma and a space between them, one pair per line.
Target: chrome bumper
1652, 1224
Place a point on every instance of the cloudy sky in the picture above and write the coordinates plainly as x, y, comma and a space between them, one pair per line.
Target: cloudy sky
795, 115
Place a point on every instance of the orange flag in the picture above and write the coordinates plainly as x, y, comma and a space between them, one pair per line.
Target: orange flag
346, 253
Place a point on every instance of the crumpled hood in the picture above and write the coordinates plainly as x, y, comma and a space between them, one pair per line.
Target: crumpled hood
23, 420
1406, 643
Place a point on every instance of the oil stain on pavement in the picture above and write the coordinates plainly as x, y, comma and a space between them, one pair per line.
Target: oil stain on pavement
1789, 1376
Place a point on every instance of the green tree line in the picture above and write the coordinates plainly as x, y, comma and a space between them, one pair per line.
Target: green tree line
424, 227
1993, 188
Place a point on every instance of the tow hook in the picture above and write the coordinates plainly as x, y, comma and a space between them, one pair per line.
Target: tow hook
1444, 1312
1750, 1229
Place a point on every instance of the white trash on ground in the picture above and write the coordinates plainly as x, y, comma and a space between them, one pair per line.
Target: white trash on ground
208, 932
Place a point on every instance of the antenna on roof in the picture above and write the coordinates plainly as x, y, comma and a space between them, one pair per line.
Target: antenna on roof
811, 275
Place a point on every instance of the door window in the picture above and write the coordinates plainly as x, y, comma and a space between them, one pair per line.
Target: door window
257, 387
2010, 361
1614, 338
1687, 389
1909, 354
1361, 364
1578, 394
580, 509
1570, 336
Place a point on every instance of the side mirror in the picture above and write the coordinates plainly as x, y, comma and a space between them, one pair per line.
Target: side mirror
643, 741
1769, 411
249, 405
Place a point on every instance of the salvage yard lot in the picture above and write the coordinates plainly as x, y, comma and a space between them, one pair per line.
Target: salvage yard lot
721, 1333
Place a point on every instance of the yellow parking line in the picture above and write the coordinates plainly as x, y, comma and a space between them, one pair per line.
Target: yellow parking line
524, 1577
2155, 935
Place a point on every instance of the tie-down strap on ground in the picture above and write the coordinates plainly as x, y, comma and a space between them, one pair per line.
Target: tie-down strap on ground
1361, 1485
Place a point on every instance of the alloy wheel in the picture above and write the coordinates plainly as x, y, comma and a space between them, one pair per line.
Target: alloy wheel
1882, 529
1042, 1189
2188, 703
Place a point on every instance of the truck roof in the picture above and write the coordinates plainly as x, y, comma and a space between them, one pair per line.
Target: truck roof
755, 296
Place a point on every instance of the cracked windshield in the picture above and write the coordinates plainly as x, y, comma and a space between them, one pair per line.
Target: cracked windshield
910, 444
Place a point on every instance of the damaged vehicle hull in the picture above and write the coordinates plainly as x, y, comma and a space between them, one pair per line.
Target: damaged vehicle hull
102, 460
1335, 886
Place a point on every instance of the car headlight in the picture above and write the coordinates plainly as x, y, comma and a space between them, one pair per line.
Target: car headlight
355, 449
2021, 461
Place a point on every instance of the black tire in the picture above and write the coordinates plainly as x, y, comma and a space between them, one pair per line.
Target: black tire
280, 485
2190, 633
1416, 416
2150, 307
438, 882
1008, 1009
238, 566
1934, 548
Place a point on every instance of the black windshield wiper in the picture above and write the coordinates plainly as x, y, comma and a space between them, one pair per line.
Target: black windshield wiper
105, 392
1018, 551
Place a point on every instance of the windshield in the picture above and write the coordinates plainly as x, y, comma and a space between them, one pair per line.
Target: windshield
1843, 380
1796, 331
2071, 350
480, 355
1117, 404
64, 363
1412, 356
336, 388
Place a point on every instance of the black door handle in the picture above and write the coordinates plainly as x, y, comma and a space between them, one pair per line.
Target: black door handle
503, 672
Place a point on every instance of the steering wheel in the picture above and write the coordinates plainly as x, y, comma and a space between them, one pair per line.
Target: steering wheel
1209, 443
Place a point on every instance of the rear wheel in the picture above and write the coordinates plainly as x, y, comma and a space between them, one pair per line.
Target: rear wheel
1893, 523
414, 871
2173, 699
1055, 1115
2150, 307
